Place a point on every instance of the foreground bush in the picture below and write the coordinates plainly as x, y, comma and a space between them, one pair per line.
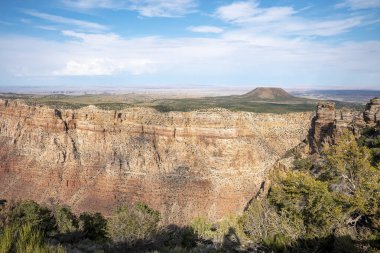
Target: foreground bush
334, 198
131, 224
93, 226
29, 212
349, 173
226, 234
25, 239
26, 226
66, 221
264, 224
371, 139
309, 202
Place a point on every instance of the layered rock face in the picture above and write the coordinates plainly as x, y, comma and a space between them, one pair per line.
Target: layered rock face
184, 164
372, 112
328, 122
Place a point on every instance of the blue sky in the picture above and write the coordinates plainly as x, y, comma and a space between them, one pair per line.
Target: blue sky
181, 43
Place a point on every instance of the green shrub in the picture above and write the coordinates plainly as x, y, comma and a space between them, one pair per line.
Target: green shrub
348, 171
338, 204
93, 226
263, 224
202, 227
303, 164
303, 197
29, 240
131, 224
277, 242
371, 139
25, 239
227, 233
6, 239
29, 212
5, 209
66, 221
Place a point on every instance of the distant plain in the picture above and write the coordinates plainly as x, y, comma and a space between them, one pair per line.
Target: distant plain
250, 102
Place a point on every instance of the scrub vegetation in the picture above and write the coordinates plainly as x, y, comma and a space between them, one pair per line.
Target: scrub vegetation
119, 102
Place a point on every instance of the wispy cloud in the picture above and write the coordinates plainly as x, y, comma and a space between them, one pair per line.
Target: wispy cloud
249, 11
92, 4
67, 21
205, 29
104, 67
223, 58
282, 20
97, 59
256, 44
5, 23
146, 8
360, 4
163, 8
46, 28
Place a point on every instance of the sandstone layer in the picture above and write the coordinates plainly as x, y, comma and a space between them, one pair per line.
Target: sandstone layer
184, 164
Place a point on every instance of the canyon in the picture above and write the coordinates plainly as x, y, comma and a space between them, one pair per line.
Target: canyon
207, 163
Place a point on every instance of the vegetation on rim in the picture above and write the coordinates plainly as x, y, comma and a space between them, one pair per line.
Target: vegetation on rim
246, 102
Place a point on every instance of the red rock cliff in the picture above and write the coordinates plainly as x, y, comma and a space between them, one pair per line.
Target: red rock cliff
207, 163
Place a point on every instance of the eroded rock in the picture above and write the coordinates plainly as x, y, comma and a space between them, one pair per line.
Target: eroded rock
184, 164
329, 123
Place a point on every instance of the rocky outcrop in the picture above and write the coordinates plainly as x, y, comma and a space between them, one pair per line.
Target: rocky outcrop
372, 112
322, 126
329, 123
184, 164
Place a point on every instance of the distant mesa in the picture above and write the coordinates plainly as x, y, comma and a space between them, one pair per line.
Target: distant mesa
268, 93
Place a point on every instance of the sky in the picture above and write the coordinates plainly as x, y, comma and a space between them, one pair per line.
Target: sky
183, 43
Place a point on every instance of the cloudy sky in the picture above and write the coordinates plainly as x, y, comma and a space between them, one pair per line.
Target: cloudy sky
299, 43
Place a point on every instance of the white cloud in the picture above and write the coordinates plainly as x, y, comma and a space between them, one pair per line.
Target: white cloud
163, 8
237, 12
96, 67
146, 8
104, 55
321, 28
46, 28
229, 57
98, 39
266, 44
92, 4
252, 19
5, 23
249, 11
205, 29
66, 21
360, 4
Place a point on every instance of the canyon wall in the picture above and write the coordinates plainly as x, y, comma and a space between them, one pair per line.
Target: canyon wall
184, 164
